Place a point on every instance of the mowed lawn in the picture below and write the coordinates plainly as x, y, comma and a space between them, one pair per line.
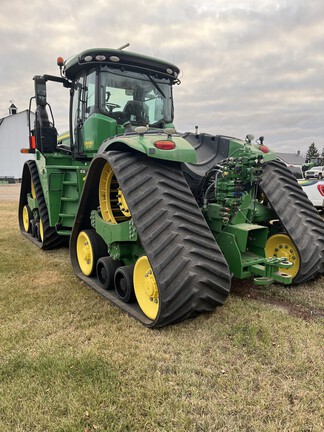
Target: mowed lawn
70, 361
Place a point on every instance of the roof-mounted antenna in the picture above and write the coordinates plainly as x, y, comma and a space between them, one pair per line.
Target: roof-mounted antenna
124, 46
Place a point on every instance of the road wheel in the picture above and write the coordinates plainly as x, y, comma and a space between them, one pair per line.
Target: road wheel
146, 288
33, 227
37, 231
90, 247
41, 230
32, 189
281, 246
26, 218
106, 268
124, 283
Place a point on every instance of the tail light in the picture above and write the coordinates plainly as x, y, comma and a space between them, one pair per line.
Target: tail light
32, 142
164, 145
320, 188
264, 148
32, 145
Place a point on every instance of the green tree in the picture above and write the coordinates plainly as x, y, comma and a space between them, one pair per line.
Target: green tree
322, 154
312, 152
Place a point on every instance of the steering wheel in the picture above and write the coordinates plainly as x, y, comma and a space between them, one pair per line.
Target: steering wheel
150, 97
112, 106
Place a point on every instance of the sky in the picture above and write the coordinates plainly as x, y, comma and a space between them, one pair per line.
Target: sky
247, 66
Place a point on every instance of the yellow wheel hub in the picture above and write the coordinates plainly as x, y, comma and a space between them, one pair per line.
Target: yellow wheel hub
113, 206
146, 289
32, 189
84, 253
281, 246
25, 219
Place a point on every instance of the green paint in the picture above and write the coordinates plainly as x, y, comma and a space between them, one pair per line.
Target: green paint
111, 233
237, 219
96, 129
183, 151
62, 180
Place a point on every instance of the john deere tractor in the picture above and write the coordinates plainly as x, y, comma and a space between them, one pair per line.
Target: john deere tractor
159, 222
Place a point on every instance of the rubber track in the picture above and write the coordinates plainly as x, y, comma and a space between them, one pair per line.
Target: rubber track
190, 270
298, 216
51, 238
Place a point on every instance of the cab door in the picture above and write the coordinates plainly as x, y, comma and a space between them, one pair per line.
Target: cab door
77, 114
84, 104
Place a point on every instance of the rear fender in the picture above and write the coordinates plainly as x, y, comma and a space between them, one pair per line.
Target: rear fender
183, 151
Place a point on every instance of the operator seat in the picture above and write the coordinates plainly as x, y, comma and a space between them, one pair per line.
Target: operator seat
136, 111
42, 117
46, 135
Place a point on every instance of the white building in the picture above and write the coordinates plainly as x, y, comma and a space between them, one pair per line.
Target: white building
14, 135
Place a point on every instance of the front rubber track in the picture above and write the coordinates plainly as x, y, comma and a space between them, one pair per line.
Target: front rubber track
190, 270
298, 216
51, 238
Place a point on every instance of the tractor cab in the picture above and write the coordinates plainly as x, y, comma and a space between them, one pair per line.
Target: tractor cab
111, 93
134, 98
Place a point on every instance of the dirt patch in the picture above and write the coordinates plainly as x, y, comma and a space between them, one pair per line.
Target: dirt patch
9, 192
244, 289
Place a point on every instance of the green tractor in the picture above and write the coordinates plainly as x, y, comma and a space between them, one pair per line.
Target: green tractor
158, 221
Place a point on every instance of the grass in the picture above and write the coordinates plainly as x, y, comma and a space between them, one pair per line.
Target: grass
70, 361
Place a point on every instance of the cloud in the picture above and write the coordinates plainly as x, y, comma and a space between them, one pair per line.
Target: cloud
252, 66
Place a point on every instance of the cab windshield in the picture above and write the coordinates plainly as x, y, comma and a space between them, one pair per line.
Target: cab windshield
136, 98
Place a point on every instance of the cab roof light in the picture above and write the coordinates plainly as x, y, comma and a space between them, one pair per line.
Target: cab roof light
164, 145
100, 57
114, 59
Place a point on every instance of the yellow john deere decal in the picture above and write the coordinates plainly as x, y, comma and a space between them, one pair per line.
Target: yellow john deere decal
88, 144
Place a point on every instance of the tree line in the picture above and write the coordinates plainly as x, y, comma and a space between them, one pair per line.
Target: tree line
313, 152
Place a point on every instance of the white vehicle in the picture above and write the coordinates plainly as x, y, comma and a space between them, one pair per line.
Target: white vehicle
314, 189
315, 172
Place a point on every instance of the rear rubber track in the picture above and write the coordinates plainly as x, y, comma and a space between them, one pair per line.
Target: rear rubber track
298, 216
190, 270
51, 238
